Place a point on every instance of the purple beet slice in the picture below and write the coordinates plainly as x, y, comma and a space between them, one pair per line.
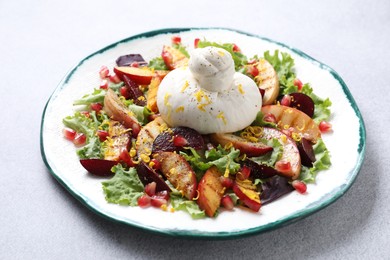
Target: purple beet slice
176, 139
147, 175
98, 167
302, 102
131, 60
259, 171
306, 152
133, 92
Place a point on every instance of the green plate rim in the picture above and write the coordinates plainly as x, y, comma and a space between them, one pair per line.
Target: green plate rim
307, 211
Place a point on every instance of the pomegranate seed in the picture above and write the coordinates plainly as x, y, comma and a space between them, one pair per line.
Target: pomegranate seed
155, 164
162, 195
144, 201
96, 107
298, 84
69, 133
299, 186
236, 48
179, 141
124, 92
227, 202
325, 127
114, 78
286, 100
80, 139
104, 71
150, 188
176, 39
269, 118
244, 173
226, 182
85, 113
196, 42
134, 64
126, 158
283, 166
253, 70
102, 135
158, 202
104, 84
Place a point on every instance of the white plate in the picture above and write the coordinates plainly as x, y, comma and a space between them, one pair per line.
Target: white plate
346, 143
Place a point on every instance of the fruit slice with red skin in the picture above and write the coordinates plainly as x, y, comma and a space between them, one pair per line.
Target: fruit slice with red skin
118, 140
210, 191
288, 117
148, 175
267, 79
114, 107
251, 149
173, 58
227, 202
179, 173
248, 193
290, 152
98, 167
134, 92
148, 133
141, 76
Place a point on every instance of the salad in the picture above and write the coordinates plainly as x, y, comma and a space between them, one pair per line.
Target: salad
201, 131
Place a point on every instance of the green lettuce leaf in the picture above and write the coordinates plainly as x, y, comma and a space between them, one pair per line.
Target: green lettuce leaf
322, 162
283, 66
140, 112
124, 188
178, 202
97, 96
270, 159
182, 49
157, 64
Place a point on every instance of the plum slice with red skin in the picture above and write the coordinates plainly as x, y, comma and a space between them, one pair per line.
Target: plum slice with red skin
98, 167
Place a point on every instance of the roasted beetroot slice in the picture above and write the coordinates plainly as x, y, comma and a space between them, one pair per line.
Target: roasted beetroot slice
302, 102
274, 188
98, 167
259, 171
131, 60
134, 92
147, 175
306, 152
177, 139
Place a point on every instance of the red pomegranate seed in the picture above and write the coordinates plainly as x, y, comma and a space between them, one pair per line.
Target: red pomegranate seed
236, 48
69, 133
102, 135
126, 158
176, 39
80, 139
124, 92
299, 186
150, 188
253, 70
104, 71
227, 202
226, 182
325, 127
96, 107
298, 84
85, 113
244, 173
114, 78
144, 201
196, 42
269, 118
179, 141
286, 100
155, 164
104, 84
164, 194
134, 64
283, 166
158, 202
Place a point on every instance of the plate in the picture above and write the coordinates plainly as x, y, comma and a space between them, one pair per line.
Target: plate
60, 157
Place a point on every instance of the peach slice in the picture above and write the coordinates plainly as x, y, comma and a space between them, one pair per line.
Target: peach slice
251, 149
248, 193
173, 58
268, 81
141, 76
210, 191
179, 173
148, 133
294, 119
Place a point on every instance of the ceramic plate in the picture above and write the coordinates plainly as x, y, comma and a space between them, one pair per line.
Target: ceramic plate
347, 156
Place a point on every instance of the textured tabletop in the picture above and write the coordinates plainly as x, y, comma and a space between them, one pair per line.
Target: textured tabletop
40, 41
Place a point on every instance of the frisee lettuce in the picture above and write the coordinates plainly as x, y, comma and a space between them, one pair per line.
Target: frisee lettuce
178, 202
124, 188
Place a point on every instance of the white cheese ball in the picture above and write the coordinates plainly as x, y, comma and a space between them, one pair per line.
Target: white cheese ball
229, 101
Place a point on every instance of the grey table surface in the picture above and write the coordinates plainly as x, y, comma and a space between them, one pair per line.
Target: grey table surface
41, 40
